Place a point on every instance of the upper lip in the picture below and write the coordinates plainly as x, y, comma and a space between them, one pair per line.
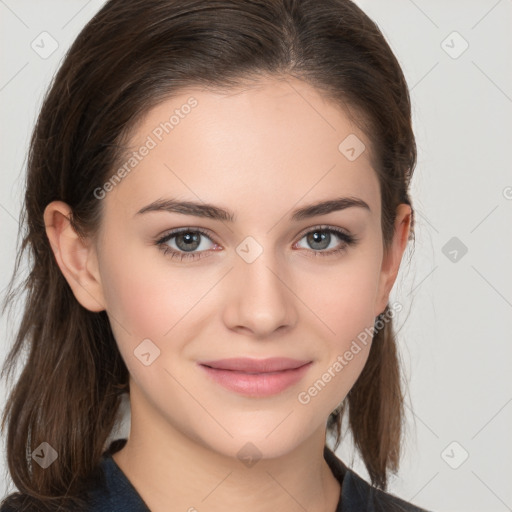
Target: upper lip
246, 364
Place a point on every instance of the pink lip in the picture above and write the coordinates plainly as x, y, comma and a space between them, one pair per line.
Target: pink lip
256, 377
248, 365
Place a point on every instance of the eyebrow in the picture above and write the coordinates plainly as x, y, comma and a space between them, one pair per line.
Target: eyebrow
211, 211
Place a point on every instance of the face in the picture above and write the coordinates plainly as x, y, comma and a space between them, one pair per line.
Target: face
183, 287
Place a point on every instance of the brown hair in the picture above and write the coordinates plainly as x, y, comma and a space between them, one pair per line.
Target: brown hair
132, 55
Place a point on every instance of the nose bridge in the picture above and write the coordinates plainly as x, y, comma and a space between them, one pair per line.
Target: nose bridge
263, 300
258, 264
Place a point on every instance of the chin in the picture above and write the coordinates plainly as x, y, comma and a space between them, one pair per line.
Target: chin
254, 444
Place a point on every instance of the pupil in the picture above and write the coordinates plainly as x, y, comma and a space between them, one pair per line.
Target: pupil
317, 237
189, 239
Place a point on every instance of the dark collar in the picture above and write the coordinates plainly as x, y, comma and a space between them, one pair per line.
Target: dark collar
356, 495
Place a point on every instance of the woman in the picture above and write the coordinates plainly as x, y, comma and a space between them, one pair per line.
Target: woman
216, 208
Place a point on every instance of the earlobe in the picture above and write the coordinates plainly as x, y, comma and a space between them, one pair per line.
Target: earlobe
392, 259
75, 258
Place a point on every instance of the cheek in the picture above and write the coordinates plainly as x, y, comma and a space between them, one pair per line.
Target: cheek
134, 301
346, 338
148, 299
342, 300
342, 297
147, 310
144, 295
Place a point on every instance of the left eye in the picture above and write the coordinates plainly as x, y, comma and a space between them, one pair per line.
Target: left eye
320, 238
185, 240
188, 240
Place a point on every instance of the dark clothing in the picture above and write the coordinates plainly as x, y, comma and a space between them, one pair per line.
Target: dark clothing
116, 493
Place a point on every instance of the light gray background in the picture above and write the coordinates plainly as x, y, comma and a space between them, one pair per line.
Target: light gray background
455, 332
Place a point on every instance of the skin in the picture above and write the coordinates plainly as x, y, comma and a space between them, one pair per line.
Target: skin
260, 151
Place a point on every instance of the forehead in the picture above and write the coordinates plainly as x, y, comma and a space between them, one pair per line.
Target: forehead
270, 141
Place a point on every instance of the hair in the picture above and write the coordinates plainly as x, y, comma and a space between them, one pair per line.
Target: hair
132, 55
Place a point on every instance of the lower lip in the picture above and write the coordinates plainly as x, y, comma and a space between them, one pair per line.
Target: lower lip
259, 384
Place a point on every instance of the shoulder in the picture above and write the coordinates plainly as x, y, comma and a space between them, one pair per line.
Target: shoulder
96, 499
106, 489
92, 496
20, 502
357, 495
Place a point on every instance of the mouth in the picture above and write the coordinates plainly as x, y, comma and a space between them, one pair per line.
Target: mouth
256, 377
249, 365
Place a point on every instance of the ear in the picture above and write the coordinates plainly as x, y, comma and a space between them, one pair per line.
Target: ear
75, 256
392, 258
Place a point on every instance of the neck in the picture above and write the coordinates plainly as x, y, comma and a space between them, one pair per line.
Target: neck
172, 472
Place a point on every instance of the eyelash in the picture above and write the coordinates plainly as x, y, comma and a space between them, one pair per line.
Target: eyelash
346, 241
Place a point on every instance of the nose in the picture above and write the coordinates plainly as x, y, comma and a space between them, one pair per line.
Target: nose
261, 298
